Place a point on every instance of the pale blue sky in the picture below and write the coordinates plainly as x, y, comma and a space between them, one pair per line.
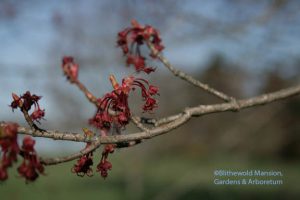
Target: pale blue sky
32, 46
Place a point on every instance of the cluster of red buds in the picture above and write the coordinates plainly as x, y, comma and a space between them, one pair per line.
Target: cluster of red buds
10, 150
31, 165
117, 102
104, 164
70, 68
25, 102
130, 39
84, 163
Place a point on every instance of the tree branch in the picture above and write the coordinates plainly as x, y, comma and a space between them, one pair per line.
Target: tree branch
54, 161
138, 123
171, 122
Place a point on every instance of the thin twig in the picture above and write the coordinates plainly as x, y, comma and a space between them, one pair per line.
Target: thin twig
187, 77
92, 98
91, 148
57, 160
168, 119
138, 123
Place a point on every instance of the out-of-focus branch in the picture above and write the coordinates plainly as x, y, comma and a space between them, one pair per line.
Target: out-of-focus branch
187, 77
57, 160
92, 98
90, 148
171, 122
138, 123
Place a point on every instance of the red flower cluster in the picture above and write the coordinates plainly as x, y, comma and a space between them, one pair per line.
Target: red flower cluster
117, 101
70, 68
31, 165
104, 164
9, 148
83, 165
113, 108
134, 37
25, 103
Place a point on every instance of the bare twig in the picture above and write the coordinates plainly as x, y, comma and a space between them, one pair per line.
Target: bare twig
92, 98
167, 119
91, 148
138, 123
187, 77
54, 161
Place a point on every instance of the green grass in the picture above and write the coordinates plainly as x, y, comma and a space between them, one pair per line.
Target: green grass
165, 177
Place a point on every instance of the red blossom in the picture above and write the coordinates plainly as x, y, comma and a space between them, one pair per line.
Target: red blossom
103, 167
83, 166
17, 102
25, 102
84, 163
28, 144
9, 144
153, 90
70, 68
101, 120
3, 173
29, 100
134, 37
122, 40
104, 164
148, 70
37, 114
109, 148
9, 147
117, 101
150, 104
138, 62
31, 166
27, 170
147, 91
